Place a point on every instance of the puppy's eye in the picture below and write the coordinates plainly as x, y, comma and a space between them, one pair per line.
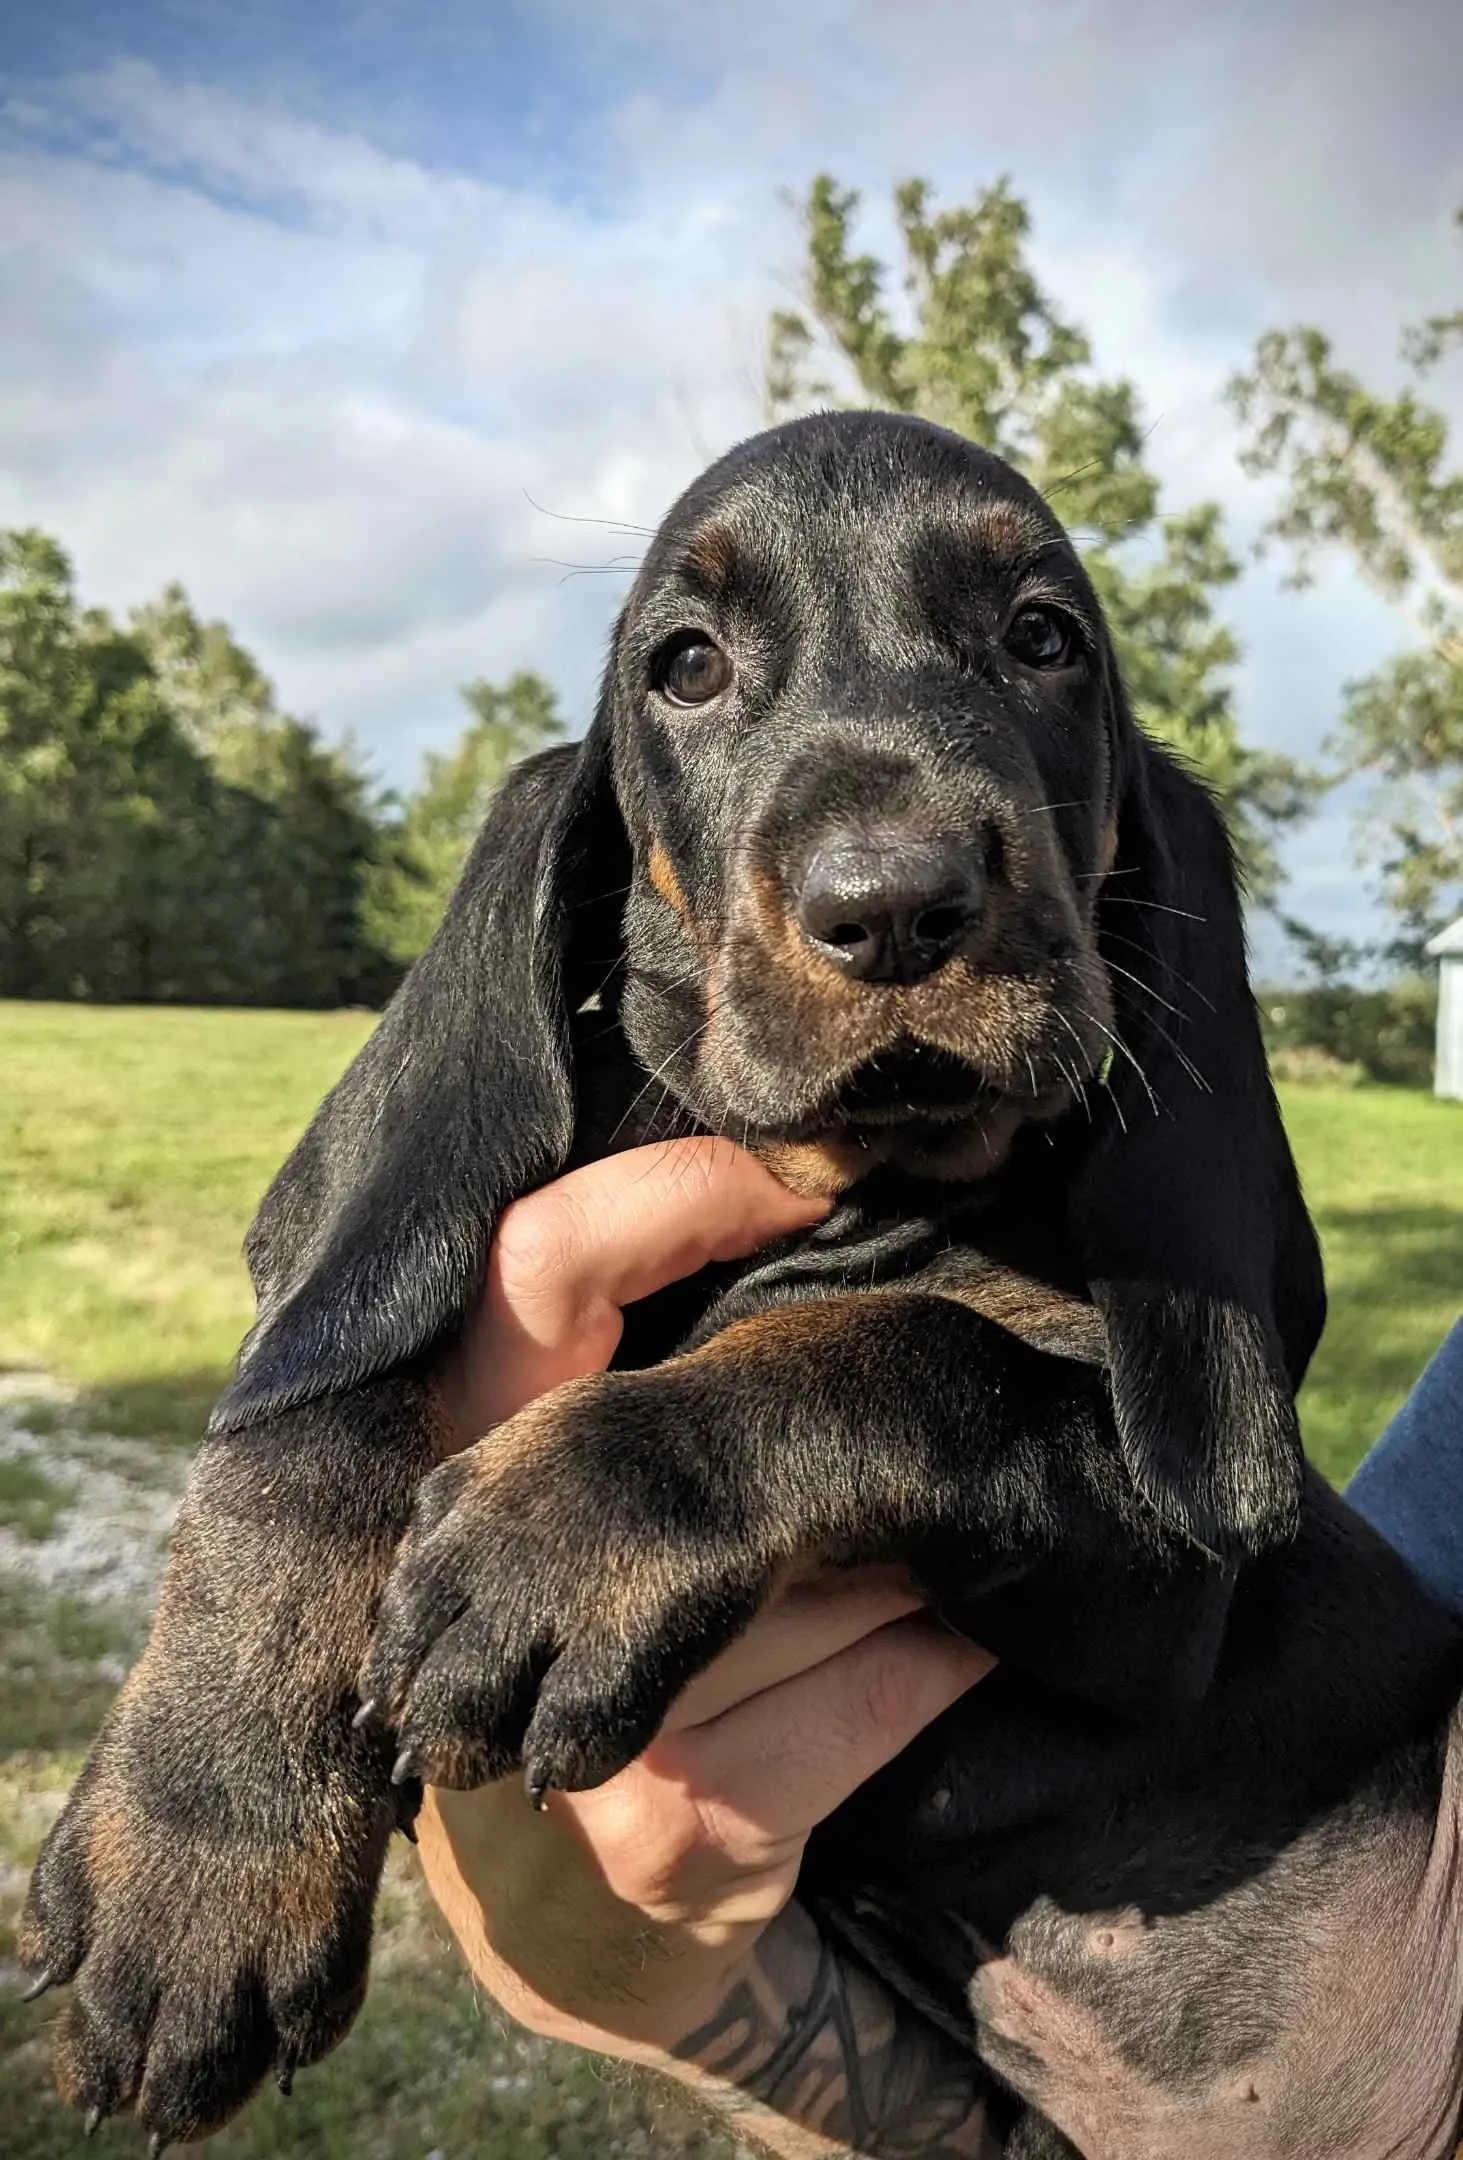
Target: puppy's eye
692, 672
1040, 637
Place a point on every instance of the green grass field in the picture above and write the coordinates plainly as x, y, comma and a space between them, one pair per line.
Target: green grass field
133, 1147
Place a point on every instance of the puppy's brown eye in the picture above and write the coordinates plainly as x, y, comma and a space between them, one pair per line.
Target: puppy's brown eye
1041, 638
693, 672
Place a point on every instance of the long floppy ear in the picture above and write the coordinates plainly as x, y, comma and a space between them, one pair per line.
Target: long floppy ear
1187, 1212
372, 1240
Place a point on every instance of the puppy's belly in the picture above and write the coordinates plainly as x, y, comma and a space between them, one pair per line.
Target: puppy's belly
1313, 2014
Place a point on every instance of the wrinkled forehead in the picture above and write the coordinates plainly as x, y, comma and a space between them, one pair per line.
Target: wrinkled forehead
785, 519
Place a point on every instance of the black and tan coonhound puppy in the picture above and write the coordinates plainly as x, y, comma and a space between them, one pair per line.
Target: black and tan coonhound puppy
864, 863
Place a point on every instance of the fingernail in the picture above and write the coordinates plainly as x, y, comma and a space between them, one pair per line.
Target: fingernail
38, 1986
364, 1715
93, 2122
401, 1769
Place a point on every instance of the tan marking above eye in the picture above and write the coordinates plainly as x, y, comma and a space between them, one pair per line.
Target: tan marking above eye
711, 558
1014, 527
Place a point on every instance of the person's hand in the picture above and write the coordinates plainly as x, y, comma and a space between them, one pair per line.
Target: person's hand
621, 1917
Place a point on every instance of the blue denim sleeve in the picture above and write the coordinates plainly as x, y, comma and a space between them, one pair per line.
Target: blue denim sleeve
1410, 1486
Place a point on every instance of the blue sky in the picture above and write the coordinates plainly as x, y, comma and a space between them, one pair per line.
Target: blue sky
310, 305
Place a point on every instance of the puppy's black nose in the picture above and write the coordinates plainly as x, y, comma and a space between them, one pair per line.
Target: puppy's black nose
890, 910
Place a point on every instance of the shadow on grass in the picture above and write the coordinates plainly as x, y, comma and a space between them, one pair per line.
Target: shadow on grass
171, 1407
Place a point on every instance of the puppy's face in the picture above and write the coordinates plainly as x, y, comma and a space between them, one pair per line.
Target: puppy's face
864, 747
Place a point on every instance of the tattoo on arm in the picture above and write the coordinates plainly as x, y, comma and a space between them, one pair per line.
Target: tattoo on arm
809, 2055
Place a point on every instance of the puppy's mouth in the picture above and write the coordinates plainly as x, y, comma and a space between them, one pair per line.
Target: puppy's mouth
911, 1083
906, 1090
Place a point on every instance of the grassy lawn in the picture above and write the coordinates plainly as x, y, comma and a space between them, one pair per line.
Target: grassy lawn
1383, 1171
133, 1147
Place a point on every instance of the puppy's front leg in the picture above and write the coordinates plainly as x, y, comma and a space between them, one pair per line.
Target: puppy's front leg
209, 1886
566, 1577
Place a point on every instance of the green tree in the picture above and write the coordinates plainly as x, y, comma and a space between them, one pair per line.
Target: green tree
85, 743
310, 828
146, 856
214, 689
440, 821
1376, 478
988, 353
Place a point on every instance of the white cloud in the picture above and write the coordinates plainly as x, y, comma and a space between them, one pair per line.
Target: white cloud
319, 380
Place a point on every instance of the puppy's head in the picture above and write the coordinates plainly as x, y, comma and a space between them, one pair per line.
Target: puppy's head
875, 868
861, 703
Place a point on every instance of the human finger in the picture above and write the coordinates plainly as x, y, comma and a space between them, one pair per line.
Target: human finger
567, 1258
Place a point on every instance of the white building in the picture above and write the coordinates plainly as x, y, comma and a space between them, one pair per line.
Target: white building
1447, 949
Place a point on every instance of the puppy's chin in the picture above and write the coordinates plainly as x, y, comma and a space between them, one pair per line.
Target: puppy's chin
952, 1152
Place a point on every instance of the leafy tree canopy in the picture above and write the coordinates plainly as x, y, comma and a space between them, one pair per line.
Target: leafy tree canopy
1376, 478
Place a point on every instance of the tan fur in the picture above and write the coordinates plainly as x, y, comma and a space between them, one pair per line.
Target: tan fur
111, 1847
781, 1331
788, 951
1032, 1310
815, 1169
711, 558
661, 872
1011, 529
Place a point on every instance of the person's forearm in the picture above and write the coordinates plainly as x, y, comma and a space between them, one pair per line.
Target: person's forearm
810, 2057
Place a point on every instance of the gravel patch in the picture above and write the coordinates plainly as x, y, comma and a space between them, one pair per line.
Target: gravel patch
108, 1541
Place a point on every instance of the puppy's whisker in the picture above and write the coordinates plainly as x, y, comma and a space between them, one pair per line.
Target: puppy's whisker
1118, 1044
1139, 984
574, 570
669, 1059
1184, 982
1078, 1091
608, 562
1164, 1036
1184, 1059
1158, 907
570, 517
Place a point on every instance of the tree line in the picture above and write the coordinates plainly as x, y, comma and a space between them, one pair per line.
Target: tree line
168, 832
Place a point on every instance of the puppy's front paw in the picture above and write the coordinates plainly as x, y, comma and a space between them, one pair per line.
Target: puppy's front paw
560, 1583
214, 1923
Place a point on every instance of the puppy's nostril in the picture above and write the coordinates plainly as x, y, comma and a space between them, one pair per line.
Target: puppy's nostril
844, 933
937, 924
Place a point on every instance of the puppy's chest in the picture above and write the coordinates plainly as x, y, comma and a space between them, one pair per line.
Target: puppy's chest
999, 1252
